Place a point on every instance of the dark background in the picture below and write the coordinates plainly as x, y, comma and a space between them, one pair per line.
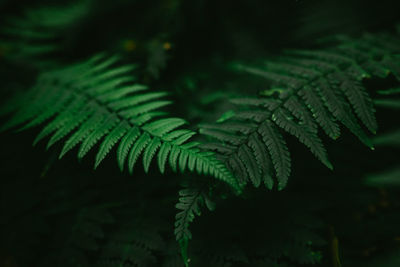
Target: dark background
184, 47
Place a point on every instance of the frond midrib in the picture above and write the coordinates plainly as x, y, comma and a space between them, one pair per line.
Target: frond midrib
281, 104
218, 169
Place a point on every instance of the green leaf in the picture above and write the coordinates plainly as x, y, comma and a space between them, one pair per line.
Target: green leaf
125, 144
310, 139
278, 150
321, 114
111, 139
361, 102
161, 127
97, 134
163, 156
137, 149
85, 129
150, 152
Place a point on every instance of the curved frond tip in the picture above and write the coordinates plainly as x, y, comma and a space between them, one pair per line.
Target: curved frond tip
97, 102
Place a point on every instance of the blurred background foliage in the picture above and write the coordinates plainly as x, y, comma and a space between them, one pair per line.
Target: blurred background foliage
60, 213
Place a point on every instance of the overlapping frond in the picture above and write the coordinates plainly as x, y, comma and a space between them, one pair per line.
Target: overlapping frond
97, 101
309, 89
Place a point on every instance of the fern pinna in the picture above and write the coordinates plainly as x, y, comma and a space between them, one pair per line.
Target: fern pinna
97, 100
309, 89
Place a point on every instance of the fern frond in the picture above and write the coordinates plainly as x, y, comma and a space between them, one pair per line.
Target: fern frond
95, 102
309, 88
190, 201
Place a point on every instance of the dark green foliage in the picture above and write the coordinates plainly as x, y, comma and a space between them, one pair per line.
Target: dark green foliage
190, 202
81, 237
37, 35
259, 79
134, 243
241, 245
391, 176
308, 89
90, 100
